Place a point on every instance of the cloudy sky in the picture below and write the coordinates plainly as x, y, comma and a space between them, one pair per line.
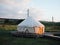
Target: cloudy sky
39, 9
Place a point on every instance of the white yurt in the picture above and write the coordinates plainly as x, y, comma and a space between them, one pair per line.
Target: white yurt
30, 25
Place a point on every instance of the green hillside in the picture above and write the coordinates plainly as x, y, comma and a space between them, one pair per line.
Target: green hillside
51, 26
11, 24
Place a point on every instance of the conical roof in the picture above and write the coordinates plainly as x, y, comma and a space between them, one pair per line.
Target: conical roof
30, 22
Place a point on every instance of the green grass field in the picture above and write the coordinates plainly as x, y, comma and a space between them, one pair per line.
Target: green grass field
8, 27
14, 27
7, 39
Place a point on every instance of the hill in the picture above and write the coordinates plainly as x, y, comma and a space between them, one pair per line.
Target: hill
49, 26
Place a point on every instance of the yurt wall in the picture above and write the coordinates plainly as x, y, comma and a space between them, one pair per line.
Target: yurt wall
24, 29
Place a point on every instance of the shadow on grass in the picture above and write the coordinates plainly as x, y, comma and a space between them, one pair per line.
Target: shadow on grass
7, 39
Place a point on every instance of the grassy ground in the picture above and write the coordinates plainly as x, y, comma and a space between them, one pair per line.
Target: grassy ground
7, 39
14, 27
8, 27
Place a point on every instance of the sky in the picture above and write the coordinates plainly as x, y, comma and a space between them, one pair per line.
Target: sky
39, 9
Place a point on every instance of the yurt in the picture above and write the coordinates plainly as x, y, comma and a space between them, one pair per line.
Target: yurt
30, 25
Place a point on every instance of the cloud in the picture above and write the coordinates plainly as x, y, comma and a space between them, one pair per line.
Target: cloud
10, 8
17, 9
15, 3
36, 13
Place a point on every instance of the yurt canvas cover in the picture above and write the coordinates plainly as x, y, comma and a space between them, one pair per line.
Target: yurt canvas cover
32, 25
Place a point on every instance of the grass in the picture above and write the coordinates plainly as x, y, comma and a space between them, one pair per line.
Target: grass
14, 27
7, 39
8, 27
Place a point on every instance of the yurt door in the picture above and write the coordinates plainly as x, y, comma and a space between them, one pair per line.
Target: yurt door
37, 30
